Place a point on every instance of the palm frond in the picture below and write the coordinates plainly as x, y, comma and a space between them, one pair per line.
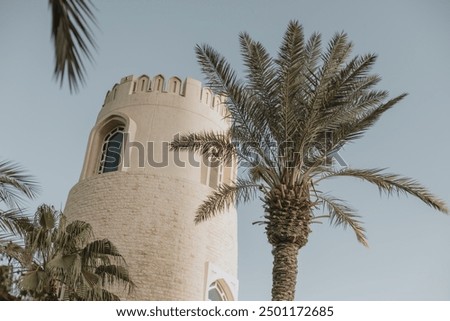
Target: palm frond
318, 93
310, 69
225, 196
46, 217
39, 238
111, 274
104, 295
218, 72
77, 234
15, 185
349, 93
94, 294
249, 115
73, 39
348, 78
339, 49
262, 173
108, 296
261, 74
391, 184
14, 222
342, 214
241, 104
210, 144
6, 237
290, 61
291, 57
356, 129
260, 70
33, 281
65, 264
101, 247
313, 52
18, 253
91, 278
101, 252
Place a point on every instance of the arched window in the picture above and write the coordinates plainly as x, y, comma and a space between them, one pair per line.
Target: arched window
217, 292
112, 151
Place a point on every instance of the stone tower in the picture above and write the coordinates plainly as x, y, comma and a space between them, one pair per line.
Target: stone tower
143, 197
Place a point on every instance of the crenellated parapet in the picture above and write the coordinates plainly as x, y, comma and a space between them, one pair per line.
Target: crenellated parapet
190, 89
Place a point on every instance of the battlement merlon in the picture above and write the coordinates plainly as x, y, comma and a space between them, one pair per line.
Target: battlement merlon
191, 89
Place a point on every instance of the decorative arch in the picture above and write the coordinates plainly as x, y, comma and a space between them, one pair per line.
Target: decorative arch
219, 285
104, 132
158, 83
175, 85
143, 83
112, 151
110, 95
219, 291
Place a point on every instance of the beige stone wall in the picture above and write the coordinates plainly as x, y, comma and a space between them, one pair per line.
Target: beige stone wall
148, 212
150, 219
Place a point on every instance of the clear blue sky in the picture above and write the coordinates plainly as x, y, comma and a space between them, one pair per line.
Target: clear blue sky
45, 128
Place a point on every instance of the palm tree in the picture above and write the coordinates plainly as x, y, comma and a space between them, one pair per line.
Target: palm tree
15, 187
61, 260
72, 38
49, 254
288, 117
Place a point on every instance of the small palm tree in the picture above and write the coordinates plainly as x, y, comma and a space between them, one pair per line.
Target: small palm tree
15, 187
287, 119
61, 260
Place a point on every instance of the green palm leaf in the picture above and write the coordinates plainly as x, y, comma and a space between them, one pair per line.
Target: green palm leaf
73, 39
15, 185
342, 214
355, 129
15, 222
110, 273
225, 196
209, 144
391, 184
100, 247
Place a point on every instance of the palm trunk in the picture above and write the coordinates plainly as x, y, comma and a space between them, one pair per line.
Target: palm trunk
288, 218
284, 272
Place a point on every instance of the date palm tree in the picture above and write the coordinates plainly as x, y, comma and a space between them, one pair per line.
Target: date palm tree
288, 118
